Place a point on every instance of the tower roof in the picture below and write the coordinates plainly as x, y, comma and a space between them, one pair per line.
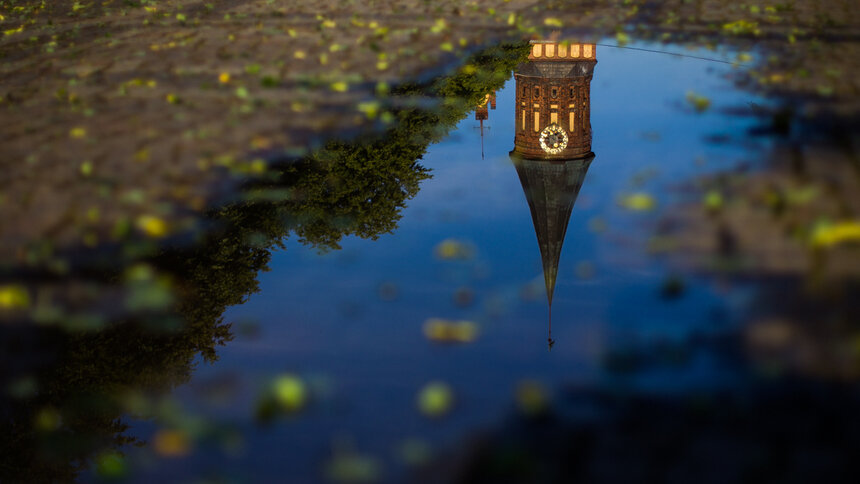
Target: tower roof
551, 189
558, 69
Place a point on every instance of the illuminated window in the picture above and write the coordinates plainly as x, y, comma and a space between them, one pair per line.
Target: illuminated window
572, 117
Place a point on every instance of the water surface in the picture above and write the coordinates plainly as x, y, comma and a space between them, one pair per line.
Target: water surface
349, 321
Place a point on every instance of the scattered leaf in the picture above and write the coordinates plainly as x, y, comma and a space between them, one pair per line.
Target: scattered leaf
290, 393
435, 399
532, 398
452, 249
172, 443
152, 226
445, 331
111, 465
698, 102
638, 202
713, 201
14, 296
827, 235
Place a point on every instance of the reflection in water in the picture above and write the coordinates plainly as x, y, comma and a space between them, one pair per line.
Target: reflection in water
552, 144
482, 113
68, 385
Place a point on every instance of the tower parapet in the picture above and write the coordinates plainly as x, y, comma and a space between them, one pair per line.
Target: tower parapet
554, 50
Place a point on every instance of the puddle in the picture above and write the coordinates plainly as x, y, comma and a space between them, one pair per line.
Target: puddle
475, 244
378, 305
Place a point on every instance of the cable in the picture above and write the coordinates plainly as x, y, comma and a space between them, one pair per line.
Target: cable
672, 53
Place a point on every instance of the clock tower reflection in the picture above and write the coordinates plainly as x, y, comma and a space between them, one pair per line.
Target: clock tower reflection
552, 142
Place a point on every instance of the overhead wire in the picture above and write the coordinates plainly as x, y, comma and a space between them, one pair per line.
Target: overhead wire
671, 53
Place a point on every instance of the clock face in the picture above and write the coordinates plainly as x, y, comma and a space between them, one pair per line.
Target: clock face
553, 139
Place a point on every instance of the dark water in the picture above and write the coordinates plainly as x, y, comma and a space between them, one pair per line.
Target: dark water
349, 322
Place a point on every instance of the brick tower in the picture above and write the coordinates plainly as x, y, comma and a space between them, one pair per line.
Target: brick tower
552, 142
553, 101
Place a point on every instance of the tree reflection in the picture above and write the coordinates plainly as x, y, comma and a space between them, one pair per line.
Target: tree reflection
64, 402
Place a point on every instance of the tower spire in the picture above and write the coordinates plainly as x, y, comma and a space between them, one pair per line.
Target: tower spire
549, 341
551, 189
482, 139
482, 113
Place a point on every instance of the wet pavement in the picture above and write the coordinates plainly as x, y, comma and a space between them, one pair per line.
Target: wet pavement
252, 241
